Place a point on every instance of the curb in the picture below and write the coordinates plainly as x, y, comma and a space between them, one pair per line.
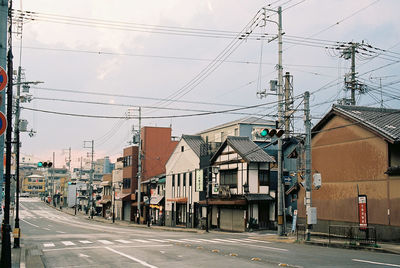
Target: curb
345, 246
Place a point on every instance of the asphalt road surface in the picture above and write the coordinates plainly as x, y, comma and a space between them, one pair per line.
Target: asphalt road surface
69, 241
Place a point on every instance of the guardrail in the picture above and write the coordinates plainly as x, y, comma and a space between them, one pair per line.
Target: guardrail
300, 232
352, 234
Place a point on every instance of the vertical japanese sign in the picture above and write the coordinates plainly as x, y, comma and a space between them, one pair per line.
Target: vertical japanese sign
362, 212
199, 180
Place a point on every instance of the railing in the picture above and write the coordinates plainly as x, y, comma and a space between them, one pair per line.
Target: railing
352, 234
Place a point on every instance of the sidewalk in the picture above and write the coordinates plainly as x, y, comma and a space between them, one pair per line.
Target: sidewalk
318, 239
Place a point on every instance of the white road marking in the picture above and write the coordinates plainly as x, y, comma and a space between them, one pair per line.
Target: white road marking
140, 240
47, 229
48, 245
124, 241
30, 223
61, 232
206, 240
105, 242
83, 255
68, 243
225, 240
378, 263
132, 258
192, 240
158, 240
85, 242
173, 240
98, 247
259, 241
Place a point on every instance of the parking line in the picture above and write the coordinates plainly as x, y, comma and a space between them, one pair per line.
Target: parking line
378, 263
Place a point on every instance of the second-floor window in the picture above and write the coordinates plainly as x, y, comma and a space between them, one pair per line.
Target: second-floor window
126, 183
228, 177
263, 177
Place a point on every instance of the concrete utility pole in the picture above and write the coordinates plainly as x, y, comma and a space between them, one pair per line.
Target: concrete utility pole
353, 74
307, 123
91, 176
281, 196
288, 103
3, 64
139, 174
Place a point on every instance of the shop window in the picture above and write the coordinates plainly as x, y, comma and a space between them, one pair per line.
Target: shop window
229, 177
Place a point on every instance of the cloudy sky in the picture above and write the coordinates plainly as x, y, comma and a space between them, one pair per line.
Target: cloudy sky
178, 57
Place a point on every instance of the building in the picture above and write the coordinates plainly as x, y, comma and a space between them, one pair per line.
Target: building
357, 152
240, 196
34, 185
129, 183
117, 180
182, 190
106, 195
245, 127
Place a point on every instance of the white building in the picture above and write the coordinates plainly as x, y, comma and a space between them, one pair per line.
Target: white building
182, 192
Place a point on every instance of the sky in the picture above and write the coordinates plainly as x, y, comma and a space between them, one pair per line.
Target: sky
107, 58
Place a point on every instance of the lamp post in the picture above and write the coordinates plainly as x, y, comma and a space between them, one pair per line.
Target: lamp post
76, 197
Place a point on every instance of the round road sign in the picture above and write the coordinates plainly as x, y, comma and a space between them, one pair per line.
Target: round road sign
3, 123
3, 79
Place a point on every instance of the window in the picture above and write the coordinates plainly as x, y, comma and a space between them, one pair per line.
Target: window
229, 177
263, 177
184, 179
173, 180
126, 183
190, 179
179, 180
182, 148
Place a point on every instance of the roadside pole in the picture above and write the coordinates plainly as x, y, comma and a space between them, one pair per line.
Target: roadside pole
139, 174
307, 123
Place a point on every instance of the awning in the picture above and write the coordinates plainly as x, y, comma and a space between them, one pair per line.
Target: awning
178, 199
105, 183
259, 197
161, 181
104, 201
121, 196
155, 200
217, 201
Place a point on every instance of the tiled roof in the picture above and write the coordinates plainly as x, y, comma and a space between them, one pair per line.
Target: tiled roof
194, 143
248, 150
384, 122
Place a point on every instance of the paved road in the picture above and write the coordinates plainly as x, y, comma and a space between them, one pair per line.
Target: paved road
68, 241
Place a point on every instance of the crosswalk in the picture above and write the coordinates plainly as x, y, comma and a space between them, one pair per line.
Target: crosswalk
152, 241
25, 214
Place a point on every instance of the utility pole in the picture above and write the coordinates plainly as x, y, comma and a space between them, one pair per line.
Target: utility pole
3, 64
307, 123
281, 196
139, 174
91, 176
6, 240
53, 189
288, 103
353, 74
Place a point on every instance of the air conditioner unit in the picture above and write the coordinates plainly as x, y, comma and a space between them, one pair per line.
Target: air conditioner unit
224, 191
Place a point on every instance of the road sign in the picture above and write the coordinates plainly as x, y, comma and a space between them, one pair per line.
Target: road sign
3, 78
3, 123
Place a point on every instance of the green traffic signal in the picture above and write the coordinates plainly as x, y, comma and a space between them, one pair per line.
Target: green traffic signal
264, 133
40, 164
44, 164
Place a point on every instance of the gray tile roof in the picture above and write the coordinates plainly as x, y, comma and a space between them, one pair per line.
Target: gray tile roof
194, 143
383, 122
248, 150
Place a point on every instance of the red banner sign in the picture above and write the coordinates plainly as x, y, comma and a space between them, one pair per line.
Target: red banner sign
362, 212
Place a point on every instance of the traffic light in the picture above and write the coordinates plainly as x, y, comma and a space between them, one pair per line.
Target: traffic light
47, 164
271, 132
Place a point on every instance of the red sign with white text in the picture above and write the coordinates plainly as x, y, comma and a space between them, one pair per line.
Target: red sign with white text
362, 212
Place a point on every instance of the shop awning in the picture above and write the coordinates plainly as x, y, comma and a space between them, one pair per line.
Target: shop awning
105, 183
178, 200
155, 200
134, 204
217, 201
105, 201
259, 197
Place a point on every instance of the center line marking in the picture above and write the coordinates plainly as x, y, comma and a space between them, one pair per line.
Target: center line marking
132, 258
